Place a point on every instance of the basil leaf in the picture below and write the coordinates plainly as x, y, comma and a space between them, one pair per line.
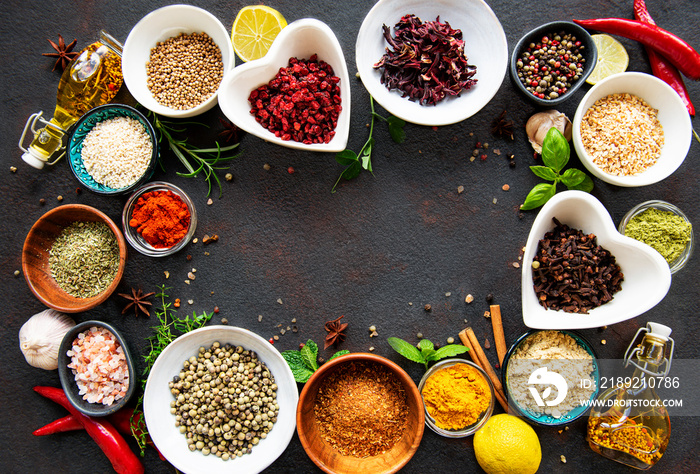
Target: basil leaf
409, 351
296, 363
544, 172
572, 177
346, 157
539, 195
338, 354
585, 185
309, 354
449, 351
555, 150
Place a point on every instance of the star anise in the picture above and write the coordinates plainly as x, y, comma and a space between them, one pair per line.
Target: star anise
335, 332
64, 52
137, 301
502, 127
230, 132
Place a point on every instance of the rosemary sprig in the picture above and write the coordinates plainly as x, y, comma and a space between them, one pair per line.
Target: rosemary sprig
349, 159
168, 329
196, 160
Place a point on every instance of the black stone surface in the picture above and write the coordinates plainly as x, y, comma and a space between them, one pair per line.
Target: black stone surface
376, 251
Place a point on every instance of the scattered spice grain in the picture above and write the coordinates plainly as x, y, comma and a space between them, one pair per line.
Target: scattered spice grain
361, 409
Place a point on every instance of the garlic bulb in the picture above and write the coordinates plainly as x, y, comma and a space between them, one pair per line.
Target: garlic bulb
539, 124
40, 337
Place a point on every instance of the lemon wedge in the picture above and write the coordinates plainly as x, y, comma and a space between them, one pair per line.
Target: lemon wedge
254, 30
612, 58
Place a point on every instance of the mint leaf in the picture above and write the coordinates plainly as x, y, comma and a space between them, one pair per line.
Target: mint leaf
338, 354
409, 351
544, 172
296, 363
309, 354
572, 177
586, 185
539, 195
555, 150
449, 351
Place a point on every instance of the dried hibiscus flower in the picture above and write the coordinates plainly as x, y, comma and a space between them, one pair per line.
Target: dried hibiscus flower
426, 61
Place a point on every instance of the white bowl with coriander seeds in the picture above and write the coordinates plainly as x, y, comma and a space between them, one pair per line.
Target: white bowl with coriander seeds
614, 140
165, 39
170, 364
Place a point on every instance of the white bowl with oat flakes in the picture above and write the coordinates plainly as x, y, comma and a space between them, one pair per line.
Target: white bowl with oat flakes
609, 141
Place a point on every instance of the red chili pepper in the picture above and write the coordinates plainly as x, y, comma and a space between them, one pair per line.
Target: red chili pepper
102, 432
67, 423
676, 50
660, 66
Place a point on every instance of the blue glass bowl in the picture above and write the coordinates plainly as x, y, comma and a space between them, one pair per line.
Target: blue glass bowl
86, 123
544, 419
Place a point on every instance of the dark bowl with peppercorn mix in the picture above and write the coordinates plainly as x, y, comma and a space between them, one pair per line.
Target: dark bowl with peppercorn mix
360, 412
156, 233
121, 371
36, 257
113, 149
550, 75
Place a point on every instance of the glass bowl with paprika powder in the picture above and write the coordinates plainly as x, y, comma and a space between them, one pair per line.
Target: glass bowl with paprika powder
159, 219
662, 226
458, 397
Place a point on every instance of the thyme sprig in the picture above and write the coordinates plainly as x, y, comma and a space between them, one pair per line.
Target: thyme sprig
196, 160
168, 329
356, 162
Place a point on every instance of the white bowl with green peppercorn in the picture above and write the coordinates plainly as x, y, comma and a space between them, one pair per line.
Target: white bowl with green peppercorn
192, 372
172, 32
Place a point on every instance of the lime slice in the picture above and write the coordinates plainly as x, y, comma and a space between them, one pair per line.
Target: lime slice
612, 58
254, 30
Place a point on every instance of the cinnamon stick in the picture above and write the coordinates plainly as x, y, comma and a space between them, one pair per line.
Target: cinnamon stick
468, 338
498, 335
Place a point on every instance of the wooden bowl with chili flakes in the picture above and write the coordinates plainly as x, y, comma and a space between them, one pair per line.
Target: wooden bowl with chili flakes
36, 257
360, 413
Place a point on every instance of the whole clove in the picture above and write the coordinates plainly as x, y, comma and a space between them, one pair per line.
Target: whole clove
575, 274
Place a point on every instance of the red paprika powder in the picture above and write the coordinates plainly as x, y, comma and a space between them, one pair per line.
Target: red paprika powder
161, 217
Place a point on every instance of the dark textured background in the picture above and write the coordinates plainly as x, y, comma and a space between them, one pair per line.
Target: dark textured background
380, 243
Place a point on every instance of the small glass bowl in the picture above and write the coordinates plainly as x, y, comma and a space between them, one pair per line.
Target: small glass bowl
468, 430
86, 123
683, 258
544, 419
136, 240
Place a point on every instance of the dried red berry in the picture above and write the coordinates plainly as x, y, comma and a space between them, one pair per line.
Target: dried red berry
290, 170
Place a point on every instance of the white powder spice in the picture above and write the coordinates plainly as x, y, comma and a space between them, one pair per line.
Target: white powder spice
116, 152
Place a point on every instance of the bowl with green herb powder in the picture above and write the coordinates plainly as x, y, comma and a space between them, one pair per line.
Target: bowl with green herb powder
662, 226
73, 258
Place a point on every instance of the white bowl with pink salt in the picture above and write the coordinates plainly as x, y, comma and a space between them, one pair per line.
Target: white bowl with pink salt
96, 369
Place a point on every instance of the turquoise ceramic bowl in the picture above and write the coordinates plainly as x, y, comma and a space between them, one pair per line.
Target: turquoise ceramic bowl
86, 123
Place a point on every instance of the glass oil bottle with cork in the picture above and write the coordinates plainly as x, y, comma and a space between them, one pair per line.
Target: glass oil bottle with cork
93, 78
631, 425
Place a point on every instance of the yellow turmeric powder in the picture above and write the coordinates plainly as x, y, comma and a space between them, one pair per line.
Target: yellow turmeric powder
456, 396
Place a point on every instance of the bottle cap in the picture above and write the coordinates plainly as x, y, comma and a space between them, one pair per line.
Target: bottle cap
659, 330
34, 159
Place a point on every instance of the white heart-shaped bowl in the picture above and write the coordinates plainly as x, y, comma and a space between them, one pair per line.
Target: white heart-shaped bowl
485, 46
157, 26
300, 39
672, 114
161, 423
647, 276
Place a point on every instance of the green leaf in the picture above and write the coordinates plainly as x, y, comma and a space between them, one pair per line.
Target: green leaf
346, 157
339, 353
298, 366
309, 353
586, 185
572, 177
449, 351
352, 171
555, 150
427, 349
398, 134
539, 195
544, 172
409, 351
366, 155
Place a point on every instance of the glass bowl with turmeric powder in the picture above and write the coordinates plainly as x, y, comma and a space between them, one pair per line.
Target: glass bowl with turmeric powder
159, 219
458, 397
662, 226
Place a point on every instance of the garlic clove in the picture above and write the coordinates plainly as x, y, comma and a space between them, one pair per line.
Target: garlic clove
41, 336
539, 124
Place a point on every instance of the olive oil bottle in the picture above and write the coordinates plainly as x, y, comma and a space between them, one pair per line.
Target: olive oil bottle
93, 78
631, 425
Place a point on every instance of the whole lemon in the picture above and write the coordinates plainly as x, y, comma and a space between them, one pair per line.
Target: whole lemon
507, 445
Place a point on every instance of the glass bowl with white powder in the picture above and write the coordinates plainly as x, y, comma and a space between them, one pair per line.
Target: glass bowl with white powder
550, 377
113, 149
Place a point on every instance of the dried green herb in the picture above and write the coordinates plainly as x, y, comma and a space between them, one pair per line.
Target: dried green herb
84, 258
425, 352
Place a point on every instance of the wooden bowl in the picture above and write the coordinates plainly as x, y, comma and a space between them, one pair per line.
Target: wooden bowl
332, 461
35, 257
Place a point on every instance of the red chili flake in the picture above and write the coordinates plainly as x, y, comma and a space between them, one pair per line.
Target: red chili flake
290, 170
271, 341
216, 309
483, 157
